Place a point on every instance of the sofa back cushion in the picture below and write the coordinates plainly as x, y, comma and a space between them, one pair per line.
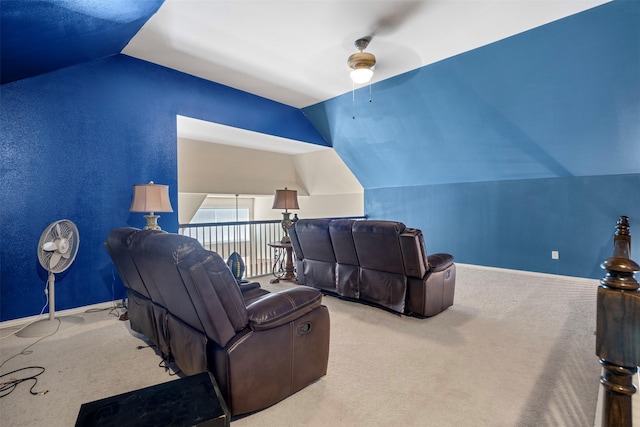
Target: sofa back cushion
377, 245
215, 295
314, 239
137, 248
117, 245
347, 267
319, 263
194, 284
341, 234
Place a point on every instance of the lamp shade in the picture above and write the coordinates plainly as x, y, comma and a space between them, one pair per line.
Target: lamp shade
150, 198
286, 199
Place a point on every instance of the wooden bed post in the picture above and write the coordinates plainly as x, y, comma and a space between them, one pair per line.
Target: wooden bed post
618, 330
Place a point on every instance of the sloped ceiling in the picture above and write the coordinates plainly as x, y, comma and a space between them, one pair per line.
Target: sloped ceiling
558, 101
41, 36
293, 52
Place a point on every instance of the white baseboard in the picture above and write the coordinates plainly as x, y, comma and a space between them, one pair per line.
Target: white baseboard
108, 304
59, 313
533, 273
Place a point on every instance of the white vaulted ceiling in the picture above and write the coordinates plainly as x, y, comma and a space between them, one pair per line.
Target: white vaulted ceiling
295, 51
292, 51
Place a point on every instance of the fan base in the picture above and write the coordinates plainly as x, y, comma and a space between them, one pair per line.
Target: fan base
46, 327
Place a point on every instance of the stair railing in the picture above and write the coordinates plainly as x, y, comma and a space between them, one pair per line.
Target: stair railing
249, 238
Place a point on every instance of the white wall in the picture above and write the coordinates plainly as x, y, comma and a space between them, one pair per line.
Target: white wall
324, 173
326, 187
208, 168
322, 206
188, 205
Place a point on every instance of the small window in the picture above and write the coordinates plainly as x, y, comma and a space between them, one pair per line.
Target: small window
223, 233
209, 215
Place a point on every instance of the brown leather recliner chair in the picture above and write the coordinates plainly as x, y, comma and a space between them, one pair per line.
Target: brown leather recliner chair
377, 262
261, 347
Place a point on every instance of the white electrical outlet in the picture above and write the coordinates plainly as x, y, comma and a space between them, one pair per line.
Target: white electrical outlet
555, 255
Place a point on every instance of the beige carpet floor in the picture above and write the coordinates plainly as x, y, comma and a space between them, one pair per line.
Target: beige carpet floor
515, 349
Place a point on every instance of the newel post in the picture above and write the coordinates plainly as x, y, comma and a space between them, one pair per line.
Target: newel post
618, 330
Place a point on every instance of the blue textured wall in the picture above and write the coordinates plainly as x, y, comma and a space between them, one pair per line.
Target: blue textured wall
501, 154
505, 153
516, 224
74, 142
45, 35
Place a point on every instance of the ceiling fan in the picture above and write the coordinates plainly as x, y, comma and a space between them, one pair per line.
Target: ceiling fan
361, 63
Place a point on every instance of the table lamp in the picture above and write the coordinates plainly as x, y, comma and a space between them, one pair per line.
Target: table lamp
151, 198
286, 199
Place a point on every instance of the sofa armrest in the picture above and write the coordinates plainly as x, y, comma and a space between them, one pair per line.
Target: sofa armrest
247, 286
278, 308
439, 262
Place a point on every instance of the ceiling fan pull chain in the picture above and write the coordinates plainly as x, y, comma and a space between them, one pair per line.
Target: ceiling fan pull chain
353, 100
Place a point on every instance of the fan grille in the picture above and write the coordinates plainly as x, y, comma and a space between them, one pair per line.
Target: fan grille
64, 234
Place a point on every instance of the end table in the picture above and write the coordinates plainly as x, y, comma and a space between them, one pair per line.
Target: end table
288, 272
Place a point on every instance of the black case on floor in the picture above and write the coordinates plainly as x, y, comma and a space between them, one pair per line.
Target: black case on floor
189, 401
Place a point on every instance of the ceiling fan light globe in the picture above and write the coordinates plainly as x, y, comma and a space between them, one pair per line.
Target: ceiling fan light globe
361, 75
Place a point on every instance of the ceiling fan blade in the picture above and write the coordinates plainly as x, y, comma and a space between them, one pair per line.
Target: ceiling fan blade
50, 246
397, 14
55, 259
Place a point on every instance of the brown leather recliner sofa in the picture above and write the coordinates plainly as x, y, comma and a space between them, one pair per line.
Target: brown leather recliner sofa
261, 347
382, 263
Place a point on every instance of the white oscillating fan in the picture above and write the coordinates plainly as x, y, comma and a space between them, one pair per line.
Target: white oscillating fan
57, 249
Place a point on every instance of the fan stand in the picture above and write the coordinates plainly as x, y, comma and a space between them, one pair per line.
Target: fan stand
53, 324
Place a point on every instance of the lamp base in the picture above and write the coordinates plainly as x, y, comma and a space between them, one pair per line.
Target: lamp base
152, 222
286, 223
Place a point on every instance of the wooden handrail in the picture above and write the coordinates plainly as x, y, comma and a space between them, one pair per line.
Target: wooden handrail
618, 330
